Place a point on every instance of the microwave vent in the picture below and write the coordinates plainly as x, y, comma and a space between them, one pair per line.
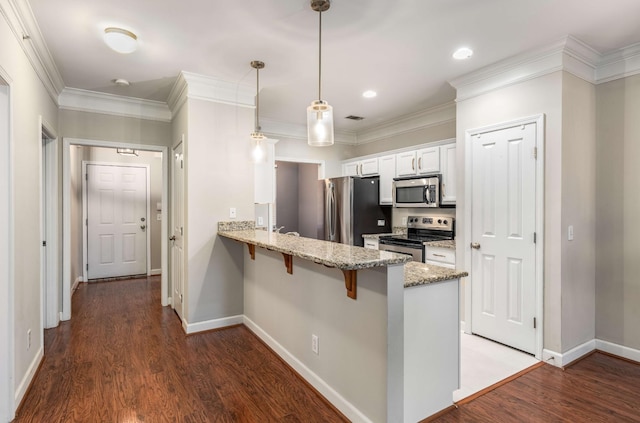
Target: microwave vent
353, 117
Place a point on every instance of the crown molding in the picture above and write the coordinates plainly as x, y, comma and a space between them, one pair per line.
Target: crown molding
110, 104
619, 64
568, 54
207, 88
19, 17
278, 129
409, 123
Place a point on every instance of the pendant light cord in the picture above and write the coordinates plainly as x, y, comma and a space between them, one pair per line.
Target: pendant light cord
320, 57
257, 100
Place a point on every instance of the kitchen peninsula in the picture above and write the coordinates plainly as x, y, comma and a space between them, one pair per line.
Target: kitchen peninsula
377, 335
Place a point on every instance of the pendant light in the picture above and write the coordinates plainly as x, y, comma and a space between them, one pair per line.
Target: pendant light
320, 114
258, 152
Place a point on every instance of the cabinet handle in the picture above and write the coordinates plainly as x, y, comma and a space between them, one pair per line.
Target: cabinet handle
420, 163
439, 255
413, 164
443, 191
360, 169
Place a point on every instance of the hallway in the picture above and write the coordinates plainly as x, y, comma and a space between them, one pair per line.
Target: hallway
123, 358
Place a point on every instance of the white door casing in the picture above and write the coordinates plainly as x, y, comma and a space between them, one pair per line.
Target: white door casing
117, 203
177, 231
503, 230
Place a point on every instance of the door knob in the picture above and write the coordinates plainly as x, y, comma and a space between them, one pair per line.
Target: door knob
475, 245
143, 227
172, 238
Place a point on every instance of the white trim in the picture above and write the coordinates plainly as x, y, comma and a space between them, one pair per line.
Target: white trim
433, 116
345, 407
85, 210
110, 104
190, 328
155, 272
7, 282
539, 121
76, 283
568, 54
619, 350
562, 359
66, 214
28, 377
321, 164
619, 64
50, 289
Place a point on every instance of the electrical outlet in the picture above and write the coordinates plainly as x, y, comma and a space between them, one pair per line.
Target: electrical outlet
232, 212
404, 220
28, 339
159, 216
260, 221
315, 344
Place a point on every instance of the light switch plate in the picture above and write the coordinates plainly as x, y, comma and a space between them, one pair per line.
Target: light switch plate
380, 222
260, 221
232, 212
570, 233
159, 216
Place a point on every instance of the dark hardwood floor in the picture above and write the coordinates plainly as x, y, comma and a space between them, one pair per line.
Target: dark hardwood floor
599, 388
124, 358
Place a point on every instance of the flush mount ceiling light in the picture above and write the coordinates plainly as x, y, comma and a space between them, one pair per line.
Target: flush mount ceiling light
121, 40
462, 53
369, 94
320, 114
127, 152
256, 135
121, 82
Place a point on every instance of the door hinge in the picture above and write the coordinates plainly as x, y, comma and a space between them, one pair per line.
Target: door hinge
181, 164
535, 152
181, 299
86, 176
44, 243
86, 222
87, 266
535, 237
181, 231
535, 323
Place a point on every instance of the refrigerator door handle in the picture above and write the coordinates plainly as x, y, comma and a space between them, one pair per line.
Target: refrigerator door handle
332, 215
329, 212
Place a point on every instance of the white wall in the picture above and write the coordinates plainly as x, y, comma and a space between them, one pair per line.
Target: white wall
617, 210
219, 175
29, 101
540, 95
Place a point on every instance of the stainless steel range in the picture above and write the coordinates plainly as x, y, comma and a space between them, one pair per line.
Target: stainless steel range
420, 229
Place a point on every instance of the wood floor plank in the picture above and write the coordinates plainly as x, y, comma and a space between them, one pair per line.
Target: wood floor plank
123, 357
599, 388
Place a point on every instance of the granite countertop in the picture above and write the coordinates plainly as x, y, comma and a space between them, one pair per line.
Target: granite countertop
397, 230
450, 243
416, 273
332, 254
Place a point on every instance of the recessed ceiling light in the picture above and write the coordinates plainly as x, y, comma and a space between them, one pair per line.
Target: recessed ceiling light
121, 82
369, 94
463, 53
121, 40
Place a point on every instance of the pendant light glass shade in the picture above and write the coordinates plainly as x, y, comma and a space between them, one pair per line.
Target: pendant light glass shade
319, 124
319, 113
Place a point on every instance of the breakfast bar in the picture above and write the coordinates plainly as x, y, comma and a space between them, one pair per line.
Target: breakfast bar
375, 334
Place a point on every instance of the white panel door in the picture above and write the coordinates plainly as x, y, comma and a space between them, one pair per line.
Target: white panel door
177, 229
116, 221
503, 226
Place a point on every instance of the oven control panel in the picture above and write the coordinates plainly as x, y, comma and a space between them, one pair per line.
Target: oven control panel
444, 223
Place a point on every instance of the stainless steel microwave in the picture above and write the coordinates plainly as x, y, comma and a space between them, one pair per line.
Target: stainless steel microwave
422, 191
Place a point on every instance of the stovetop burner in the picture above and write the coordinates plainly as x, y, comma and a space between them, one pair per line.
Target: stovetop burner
421, 229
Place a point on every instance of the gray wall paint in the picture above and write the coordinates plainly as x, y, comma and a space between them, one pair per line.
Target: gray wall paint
29, 101
617, 211
308, 197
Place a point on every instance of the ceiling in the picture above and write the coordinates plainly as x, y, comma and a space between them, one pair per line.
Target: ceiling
401, 49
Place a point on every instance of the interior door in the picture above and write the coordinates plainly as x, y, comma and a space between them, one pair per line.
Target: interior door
503, 243
116, 221
177, 227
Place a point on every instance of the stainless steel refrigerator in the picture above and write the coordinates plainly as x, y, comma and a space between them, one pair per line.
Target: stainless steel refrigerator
351, 208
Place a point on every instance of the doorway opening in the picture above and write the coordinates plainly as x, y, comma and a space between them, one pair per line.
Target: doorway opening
75, 151
298, 200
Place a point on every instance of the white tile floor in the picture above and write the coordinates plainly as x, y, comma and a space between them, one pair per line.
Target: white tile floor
484, 363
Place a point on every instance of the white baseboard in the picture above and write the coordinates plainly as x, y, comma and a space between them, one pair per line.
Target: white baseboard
345, 407
76, 283
155, 272
28, 377
190, 328
619, 350
463, 326
561, 360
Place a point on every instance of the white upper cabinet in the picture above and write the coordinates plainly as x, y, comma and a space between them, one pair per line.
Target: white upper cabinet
406, 163
448, 169
428, 160
365, 167
387, 167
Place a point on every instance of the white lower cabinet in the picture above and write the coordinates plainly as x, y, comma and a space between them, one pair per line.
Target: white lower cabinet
445, 257
371, 244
